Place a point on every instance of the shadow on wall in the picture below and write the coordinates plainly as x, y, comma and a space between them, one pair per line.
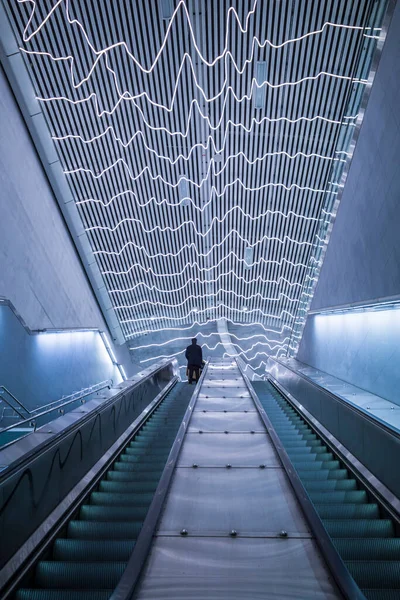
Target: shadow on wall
40, 368
361, 348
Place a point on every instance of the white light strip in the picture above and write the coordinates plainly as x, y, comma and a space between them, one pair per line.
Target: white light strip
191, 297
219, 305
206, 335
207, 269
197, 324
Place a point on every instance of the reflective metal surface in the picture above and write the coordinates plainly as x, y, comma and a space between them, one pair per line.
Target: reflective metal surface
229, 421
219, 449
215, 501
219, 404
235, 569
232, 497
224, 392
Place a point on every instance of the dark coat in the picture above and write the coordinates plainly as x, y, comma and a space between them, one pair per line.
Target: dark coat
194, 355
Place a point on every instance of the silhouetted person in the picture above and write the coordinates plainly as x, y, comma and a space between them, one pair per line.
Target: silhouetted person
194, 356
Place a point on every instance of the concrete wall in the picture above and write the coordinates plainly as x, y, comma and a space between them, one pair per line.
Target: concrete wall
40, 271
362, 262
363, 257
41, 368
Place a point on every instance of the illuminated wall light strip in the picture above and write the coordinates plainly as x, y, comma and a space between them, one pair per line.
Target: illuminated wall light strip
206, 335
231, 272
191, 297
203, 310
206, 269
111, 354
213, 221
192, 245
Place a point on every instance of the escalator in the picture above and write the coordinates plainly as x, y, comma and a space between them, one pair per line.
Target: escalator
365, 536
88, 560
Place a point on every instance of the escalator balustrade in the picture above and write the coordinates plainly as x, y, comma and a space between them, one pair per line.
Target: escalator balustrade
89, 561
364, 537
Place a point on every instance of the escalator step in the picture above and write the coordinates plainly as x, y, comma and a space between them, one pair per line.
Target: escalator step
336, 497
348, 511
90, 550
311, 456
363, 549
107, 499
126, 487
63, 594
113, 513
382, 594
90, 530
322, 474
76, 575
359, 528
376, 575
133, 477
316, 465
330, 484
144, 460
138, 468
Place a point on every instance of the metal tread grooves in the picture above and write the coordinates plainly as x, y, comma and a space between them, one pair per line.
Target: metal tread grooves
365, 538
89, 560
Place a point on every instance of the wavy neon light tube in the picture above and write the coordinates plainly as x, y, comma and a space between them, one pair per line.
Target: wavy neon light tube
207, 322
202, 310
206, 335
224, 55
214, 220
211, 168
206, 269
212, 348
192, 245
209, 294
231, 272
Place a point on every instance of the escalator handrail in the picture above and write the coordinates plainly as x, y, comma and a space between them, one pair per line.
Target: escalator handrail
334, 562
15, 570
44, 446
54, 406
348, 403
131, 575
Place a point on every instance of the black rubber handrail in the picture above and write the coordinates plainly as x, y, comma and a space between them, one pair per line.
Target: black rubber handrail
130, 578
336, 566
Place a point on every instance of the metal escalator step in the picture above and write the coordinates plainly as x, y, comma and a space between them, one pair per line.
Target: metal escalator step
375, 574
295, 435
133, 476
382, 594
92, 530
127, 487
112, 513
316, 465
137, 467
348, 511
76, 575
364, 549
322, 474
337, 496
116, 499
144, 460
149, 452
359, 528
309, 457
304, 450
27, 594
330, 484
304, 444
90, 550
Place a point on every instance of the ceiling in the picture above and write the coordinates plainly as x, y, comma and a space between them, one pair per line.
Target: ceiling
205, 143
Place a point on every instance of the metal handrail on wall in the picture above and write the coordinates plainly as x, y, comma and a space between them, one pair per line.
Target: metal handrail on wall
60, 404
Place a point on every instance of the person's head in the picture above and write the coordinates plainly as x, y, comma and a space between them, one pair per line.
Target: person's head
194, 341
